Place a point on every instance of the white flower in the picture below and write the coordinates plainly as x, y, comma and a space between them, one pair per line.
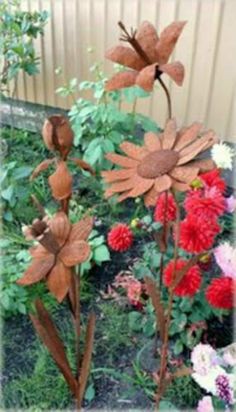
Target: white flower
225, 256
203, 357
205, 405
229, 354
208, 381
230, 204
222, 154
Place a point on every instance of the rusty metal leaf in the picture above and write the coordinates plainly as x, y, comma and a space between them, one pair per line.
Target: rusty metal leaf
49, 335
61, 182
85, 367
155, 295
83, 165
41, 167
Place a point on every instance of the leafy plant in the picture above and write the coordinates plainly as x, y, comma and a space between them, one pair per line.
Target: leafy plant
99, 124
18, 30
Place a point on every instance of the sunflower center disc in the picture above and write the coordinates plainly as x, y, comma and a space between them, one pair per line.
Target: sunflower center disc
157, 163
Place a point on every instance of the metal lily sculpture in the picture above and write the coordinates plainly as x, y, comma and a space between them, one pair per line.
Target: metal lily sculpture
61, 248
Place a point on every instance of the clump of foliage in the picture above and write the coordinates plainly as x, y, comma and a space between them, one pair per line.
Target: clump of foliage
99, 123
18, 30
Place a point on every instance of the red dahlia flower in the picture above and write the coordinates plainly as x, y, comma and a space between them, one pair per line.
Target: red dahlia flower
205, 203
165, 212
213, 179
220, 293
190, 283
120, 237
197, 234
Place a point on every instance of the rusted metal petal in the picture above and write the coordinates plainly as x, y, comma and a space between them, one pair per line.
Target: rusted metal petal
47, 133
124, 196
114, 175
155, 295
169, 134
83, 165
59, 280
146, 77
82, 229
162, 183
175, 70
41, 167
150, 198
141, 186
38, 269
185, 174
204, 165
187, 136
152, 141
179, 186
125, 56
188, 153
74, 253
167, 41
134, 151
38, 251
61, 182
85, 367
122, 186
121, 160
60, 227
48, 333
121, 80
147, 37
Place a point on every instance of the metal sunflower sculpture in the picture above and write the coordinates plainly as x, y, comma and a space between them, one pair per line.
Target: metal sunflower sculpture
164, 161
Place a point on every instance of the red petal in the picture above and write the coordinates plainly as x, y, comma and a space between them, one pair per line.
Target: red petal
59, 280
126, 57
175, 71
121, 80
37, 270
168, 39
74, 253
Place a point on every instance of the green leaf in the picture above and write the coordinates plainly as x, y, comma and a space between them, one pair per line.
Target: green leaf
101, 254
178, 347
8, 193
149, 328
90, 393
5, 300
22, 172
135, 321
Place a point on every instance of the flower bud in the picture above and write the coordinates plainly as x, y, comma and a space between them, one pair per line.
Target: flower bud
58, 135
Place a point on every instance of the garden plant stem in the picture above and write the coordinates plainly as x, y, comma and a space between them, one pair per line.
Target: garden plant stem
164, 349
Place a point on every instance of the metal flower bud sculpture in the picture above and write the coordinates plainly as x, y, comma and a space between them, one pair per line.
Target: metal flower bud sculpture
164, 164
61, 248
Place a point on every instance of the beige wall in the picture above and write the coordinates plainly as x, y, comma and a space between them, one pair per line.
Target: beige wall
207, 48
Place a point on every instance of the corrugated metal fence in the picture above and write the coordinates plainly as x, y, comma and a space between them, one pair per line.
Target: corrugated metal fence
207, 48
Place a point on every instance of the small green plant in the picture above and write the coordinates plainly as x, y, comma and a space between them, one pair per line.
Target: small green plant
18, 29
99, 124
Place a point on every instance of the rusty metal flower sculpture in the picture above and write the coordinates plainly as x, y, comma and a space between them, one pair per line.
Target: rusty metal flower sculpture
164, 161
147, 58
61, 246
